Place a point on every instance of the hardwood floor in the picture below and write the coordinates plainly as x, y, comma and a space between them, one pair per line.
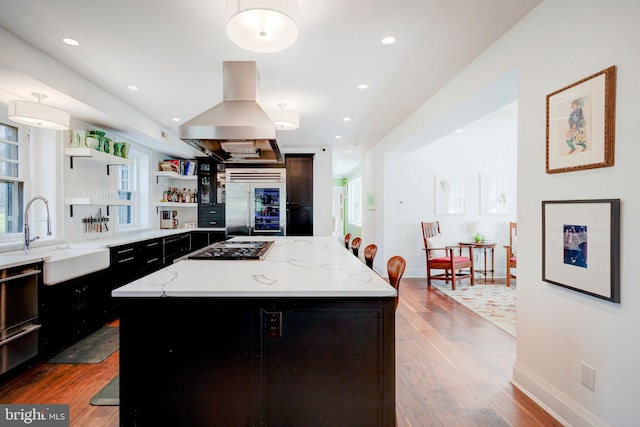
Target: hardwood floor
452, 369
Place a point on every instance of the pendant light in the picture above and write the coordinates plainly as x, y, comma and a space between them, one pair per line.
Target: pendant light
262, 25
38, 114
284, 120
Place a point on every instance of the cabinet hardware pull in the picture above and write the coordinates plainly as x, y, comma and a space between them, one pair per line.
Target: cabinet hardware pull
19, 276
124, 251
122, 261
152, 260
152, 244
213, 222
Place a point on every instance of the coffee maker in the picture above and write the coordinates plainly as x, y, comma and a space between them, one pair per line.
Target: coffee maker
169, 219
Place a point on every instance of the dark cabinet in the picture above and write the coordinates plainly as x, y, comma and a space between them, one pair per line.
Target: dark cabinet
134, 260
252, 361
200, 239
175, 247
73, 309
211, 193
299, 194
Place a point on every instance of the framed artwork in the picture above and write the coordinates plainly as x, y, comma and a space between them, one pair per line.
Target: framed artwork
494, 193
581, 246
371, 200
581, 124
449, 193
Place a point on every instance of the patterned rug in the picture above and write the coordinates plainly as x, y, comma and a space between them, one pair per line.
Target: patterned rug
495, 302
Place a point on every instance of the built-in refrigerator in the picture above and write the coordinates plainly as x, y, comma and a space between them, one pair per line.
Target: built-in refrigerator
255, 202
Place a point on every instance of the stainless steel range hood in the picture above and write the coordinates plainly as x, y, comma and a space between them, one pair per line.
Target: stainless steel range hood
237, 130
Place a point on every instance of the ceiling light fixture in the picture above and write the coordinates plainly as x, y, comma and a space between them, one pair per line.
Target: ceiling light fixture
363, 86
71, 42
133, 87
262, 25
284, 120
388, 40
38, 114
346, 119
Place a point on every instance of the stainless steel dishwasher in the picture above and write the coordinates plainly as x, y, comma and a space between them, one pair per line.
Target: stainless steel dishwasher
18, 314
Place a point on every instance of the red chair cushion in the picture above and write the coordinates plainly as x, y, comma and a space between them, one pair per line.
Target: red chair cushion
512, 259
456, 259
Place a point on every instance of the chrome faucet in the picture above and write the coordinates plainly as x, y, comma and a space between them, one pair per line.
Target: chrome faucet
27, 234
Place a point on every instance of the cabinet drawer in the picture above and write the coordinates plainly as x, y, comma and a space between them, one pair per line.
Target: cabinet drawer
211, 216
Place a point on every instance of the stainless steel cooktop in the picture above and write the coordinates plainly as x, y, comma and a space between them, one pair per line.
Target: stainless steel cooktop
234, 250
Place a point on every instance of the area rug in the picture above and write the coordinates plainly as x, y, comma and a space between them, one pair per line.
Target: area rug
93, 349
109, 395
494, 302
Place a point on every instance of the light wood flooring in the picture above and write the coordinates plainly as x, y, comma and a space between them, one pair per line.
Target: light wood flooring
452, 368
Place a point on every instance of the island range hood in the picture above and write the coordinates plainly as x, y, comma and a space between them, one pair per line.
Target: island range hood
236, 130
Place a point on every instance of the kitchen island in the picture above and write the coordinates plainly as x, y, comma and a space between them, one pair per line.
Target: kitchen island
303, 337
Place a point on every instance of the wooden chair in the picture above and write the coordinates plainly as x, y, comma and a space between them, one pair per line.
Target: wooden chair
511, 251
439, 256
347, 240
395, 270
369, 254
355, 245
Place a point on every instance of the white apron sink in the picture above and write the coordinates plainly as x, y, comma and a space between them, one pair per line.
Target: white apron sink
62, 263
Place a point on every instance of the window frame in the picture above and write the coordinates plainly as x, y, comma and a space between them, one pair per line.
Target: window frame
354, 202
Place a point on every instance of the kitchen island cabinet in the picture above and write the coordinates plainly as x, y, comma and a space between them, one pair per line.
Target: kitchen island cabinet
302, 337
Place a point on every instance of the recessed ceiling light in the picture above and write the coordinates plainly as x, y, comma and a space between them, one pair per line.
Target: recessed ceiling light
175, 119
363, 86
459, 130
71, 42
133, 87
388, 40
338, 136
346, 119
349, 151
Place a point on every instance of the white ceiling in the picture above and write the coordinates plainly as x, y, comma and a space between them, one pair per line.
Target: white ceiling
173, 50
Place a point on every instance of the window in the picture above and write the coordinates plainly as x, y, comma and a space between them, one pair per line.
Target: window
11, 187
355, 201
125, 191
133, 185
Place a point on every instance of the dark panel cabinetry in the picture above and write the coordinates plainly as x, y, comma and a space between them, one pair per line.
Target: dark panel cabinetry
211, 193
200, 239
73, 309
299, 194
252, 361
175, 247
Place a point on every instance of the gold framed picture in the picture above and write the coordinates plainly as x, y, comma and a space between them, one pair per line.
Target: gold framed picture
581, 124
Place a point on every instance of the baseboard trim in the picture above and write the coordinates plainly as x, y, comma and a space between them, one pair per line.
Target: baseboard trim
559, 405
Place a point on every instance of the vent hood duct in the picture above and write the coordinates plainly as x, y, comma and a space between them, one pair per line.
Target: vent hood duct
237, 130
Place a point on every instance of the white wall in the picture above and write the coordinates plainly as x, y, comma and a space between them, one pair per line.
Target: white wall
558, 43
481, 149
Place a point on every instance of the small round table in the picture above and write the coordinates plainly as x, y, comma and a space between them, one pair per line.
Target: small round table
484, 246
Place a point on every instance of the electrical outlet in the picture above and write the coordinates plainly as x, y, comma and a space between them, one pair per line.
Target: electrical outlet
588, 376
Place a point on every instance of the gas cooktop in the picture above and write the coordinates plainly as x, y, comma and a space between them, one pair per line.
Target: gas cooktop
233, 250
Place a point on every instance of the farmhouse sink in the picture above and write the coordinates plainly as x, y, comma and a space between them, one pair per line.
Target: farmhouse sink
65, 262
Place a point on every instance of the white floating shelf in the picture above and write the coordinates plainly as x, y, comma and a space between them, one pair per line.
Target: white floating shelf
174, 175
96, 156
96, 201
176, 205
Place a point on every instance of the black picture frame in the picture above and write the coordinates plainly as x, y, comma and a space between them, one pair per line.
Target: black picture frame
581, 246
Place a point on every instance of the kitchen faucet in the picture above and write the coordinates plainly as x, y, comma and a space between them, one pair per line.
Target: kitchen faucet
27, 234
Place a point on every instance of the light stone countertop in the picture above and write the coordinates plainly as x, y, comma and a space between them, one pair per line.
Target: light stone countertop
294, 267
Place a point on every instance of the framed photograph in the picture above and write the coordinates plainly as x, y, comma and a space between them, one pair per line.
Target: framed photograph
449, 194
494, 193
581, 246
581, 124
371, 200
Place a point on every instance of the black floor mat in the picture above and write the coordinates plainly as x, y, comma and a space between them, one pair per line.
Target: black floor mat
109, 395
93, 349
